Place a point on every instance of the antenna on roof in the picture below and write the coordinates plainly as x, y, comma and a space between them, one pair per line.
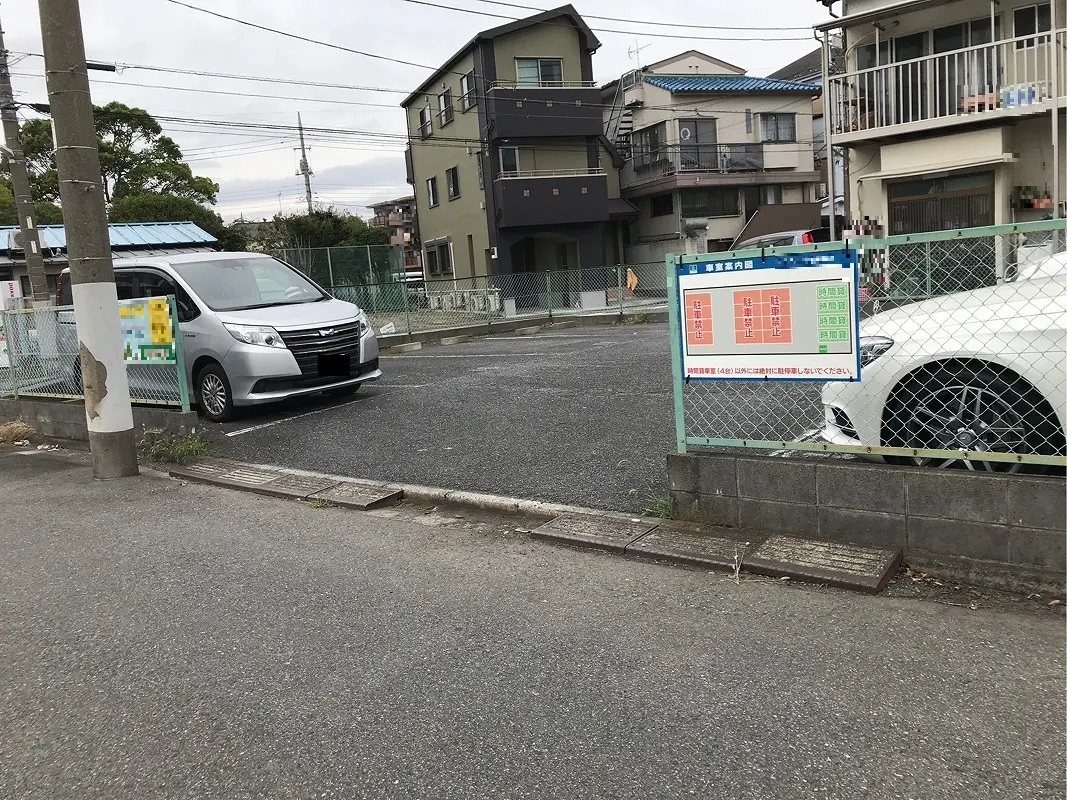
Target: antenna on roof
635, 51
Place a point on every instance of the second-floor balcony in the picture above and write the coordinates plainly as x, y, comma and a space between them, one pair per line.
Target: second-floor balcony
558, 109
708, 159
1011, 77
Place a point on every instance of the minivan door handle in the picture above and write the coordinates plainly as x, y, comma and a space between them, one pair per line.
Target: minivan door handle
189, 335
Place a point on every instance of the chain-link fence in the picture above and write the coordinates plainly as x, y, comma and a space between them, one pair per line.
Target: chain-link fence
961, 350
455, 303
347, 266
39, 353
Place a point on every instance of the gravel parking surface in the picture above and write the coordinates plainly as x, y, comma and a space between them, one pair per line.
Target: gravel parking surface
576, 415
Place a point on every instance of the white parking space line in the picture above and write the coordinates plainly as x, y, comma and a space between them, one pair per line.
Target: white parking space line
282, 421
406, 356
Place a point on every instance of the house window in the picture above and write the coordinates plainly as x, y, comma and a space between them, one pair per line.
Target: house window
778, 127
710, 202
431, 191
444, 102
425, 123
770, 195
545, 72
431, 261
467, 98
1032, 19
452, 182
662, 204
509, 159
444, 258
649, 144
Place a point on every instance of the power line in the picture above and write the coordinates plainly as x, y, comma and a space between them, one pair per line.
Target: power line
607, 30
480, 97
657, 24
298, 37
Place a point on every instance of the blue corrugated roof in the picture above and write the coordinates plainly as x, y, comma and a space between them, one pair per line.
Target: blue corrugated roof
126, 235
727, 83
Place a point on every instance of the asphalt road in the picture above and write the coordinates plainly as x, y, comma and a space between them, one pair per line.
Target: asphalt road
580, 416
169, 641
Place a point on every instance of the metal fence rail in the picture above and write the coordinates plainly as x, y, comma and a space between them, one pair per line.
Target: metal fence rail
39, 356
962, 351
451, 303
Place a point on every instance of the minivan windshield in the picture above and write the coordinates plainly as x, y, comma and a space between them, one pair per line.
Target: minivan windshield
236, 284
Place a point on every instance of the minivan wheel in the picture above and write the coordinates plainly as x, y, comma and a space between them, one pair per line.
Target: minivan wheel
213, 393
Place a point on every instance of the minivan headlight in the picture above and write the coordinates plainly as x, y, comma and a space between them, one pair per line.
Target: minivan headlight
256, 334
873, 347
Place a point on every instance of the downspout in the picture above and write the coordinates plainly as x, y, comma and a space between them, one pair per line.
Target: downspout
828, 127
1054, 63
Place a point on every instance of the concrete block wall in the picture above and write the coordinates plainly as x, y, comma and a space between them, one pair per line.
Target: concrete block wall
65, 419
1002, 530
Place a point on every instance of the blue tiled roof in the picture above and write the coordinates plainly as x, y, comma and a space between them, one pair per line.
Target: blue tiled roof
727, 83
126, 235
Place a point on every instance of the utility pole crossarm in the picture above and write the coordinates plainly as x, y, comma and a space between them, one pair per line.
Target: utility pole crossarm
20, 184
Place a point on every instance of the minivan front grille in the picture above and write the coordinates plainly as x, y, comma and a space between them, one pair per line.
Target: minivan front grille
309, 345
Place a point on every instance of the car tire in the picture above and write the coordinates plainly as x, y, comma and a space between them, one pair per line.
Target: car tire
213, 394
969, 407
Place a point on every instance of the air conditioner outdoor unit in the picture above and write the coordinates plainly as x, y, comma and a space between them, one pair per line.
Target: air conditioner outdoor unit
478, 302
435, 301
14, 240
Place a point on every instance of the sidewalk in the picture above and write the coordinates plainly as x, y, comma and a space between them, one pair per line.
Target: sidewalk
160, 639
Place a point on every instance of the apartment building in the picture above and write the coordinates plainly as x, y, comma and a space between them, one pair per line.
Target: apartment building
507, 157
952, 113
808, 69
398, 217
706, 145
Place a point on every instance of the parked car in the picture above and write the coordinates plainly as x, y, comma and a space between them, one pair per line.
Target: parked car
981, 370
254, 330
785, 239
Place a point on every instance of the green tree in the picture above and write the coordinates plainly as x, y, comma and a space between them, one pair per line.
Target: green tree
45, 213
156, 207
323, 227
135, 157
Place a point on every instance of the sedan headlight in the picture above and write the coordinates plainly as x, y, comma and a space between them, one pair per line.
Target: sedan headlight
873, 347
364, 323
256, 334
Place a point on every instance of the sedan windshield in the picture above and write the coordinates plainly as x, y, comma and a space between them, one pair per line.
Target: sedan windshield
234, 284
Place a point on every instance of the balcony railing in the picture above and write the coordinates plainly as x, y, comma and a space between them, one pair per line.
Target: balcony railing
543, 85
548, 173
1012, 74
670, 160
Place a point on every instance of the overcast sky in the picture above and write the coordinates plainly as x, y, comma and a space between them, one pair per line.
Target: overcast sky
254, 167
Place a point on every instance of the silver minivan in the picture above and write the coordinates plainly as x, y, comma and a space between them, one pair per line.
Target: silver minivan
254, 330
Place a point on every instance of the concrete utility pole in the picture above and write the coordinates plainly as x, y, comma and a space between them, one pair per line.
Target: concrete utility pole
20, 184
92, 274
305, 170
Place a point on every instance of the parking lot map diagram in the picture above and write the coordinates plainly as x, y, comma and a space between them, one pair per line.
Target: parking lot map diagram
784, 319
811, 317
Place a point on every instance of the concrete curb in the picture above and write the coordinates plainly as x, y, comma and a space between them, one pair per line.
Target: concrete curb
529, 331
407, 347
509, 326
455, 339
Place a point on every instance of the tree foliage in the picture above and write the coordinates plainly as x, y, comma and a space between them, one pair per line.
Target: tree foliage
156, 207
135, 158
45, 213
324, 227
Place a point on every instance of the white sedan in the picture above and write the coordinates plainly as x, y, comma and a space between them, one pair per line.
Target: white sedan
975, 371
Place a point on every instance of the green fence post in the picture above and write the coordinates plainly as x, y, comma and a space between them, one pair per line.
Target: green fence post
179, 354
618, 287
488, 306
548, 292
407, 307
676, 352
